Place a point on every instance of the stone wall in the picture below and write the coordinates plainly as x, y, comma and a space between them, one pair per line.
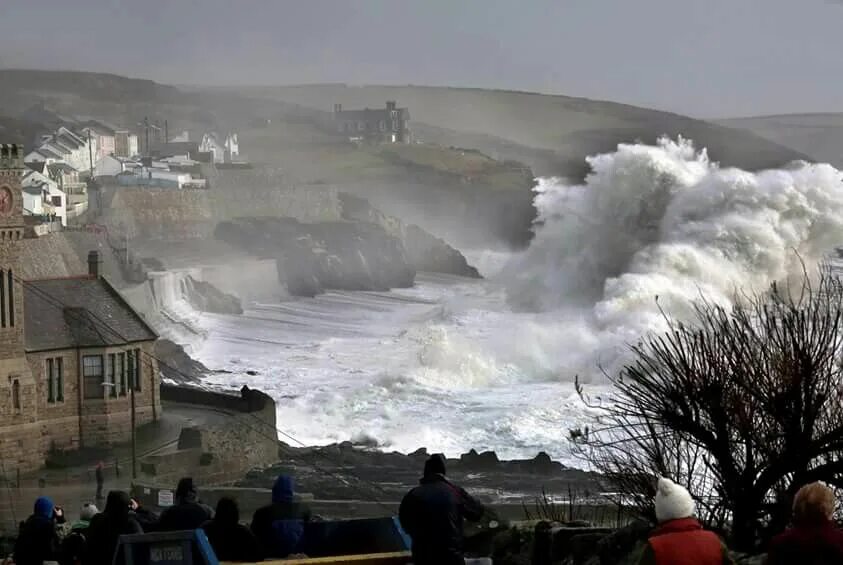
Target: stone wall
223, 453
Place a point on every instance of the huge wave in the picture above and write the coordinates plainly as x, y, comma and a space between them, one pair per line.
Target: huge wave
655, 227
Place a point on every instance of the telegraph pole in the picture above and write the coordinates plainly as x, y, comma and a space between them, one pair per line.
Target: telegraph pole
135, 365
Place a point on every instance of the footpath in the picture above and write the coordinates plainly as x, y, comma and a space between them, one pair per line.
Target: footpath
71, 481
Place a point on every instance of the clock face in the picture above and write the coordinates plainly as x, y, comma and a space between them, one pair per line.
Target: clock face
6, 200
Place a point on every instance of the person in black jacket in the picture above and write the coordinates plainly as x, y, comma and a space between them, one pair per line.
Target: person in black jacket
38, 540
279, 526
187, 513
432, 515
231, 540
107, 527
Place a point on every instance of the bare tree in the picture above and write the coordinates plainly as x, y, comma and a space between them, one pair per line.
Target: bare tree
743, 405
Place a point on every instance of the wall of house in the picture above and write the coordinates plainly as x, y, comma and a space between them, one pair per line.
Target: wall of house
20, 442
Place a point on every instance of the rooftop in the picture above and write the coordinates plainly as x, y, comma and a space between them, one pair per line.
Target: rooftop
81, 311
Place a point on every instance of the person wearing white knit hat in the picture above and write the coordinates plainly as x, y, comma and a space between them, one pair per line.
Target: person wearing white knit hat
680, 539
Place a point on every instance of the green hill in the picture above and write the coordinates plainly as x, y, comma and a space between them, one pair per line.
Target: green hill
819, 136
555, 132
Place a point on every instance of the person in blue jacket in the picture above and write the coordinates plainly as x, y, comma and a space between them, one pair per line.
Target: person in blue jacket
279, 526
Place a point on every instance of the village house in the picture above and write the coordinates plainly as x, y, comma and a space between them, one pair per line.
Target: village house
73, 353
386, 125
103, 137
222, 150
125, 144
43, 197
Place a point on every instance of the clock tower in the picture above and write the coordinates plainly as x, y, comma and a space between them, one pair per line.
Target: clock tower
11, 236
20, 435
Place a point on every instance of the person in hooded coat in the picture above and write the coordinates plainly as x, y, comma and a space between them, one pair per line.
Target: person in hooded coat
680, 539
432, 515
187, 513
279, 526
813, 539
107, 527
231, 540
38, 540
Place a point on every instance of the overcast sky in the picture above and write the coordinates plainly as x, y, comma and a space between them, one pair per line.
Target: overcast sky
705, 58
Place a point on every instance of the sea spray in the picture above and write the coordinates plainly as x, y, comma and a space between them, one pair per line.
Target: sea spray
654, 228
453, 364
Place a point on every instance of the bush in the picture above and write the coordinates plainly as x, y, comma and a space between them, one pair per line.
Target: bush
743, 406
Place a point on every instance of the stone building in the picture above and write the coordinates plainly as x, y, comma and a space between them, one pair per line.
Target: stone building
384, 125
73, 353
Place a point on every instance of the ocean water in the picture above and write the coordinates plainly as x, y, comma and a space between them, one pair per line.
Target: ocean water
454, 364
433, 366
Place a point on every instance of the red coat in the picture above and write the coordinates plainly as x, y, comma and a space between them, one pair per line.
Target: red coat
684, 542
819, 544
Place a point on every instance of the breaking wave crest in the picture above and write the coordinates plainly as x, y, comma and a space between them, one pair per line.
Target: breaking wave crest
664, 221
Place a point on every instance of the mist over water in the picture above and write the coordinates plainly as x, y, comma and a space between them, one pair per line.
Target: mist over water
454, 364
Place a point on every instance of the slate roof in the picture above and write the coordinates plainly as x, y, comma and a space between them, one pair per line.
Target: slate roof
79, 312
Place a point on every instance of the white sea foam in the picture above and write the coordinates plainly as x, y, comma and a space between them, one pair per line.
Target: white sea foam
453, 364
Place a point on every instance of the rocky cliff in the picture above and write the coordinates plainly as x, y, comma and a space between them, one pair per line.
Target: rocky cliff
325, 255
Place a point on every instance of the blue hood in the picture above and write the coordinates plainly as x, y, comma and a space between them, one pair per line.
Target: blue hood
44, 507
282, 490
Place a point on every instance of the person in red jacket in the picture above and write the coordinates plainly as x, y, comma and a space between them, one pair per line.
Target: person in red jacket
680, 539
813, 539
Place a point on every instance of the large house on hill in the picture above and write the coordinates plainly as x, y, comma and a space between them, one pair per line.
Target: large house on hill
386, 125
73, 352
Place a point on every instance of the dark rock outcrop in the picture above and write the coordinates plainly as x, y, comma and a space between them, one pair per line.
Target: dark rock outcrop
176, 365
326, 255
425, 252
205, 297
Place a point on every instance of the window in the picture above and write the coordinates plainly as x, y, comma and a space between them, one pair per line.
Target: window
361, 126
2, 300
55, 379
121, 370
58, 378
112, 382
382, 125
16, 394
57, 201
138, 366
92, 374
11, 299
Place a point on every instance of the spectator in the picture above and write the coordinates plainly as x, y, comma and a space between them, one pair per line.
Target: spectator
279, 526
813, 539
100, 477
187, 513
86, 514
145, 517
38, 540
680, 538
107, 527
432, 515
231, 540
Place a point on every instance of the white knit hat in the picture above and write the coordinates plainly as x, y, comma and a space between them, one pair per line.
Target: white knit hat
88, 511
673, 501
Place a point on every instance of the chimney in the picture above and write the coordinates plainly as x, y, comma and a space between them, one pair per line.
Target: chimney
94, 263
337, 108
390, 105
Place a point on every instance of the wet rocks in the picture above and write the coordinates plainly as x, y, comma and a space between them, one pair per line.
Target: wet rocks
205, 297
312, 258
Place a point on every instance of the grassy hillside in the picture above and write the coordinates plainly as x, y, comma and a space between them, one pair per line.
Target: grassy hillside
557, 130
819, 136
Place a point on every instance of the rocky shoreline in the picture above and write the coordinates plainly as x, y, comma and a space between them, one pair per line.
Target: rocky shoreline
351, 472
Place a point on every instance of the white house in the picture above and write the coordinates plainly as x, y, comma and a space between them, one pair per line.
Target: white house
42, 196
109, 166
210, 144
